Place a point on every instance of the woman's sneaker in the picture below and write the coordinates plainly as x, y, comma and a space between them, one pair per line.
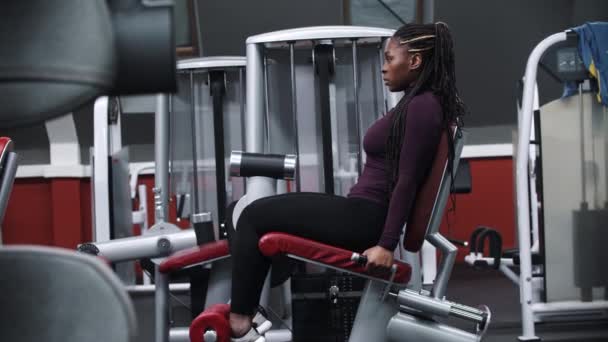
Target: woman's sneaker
260, 322
251, 336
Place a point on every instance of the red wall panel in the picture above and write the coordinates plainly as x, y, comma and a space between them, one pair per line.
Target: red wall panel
490, 203
29, 213
86, 210
66, 222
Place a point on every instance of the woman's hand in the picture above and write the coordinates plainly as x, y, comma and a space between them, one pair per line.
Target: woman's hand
379, 259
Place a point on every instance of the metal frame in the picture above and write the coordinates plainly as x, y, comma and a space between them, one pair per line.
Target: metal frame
163, 237
320, 33
163, 332
63, 140
161, 157
530, 309
216, 68
106, 141
218, 62
101, 190
373, 305
433, 236
292, 39
8, 170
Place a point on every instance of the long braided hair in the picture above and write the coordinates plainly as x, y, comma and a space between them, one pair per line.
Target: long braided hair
437, 74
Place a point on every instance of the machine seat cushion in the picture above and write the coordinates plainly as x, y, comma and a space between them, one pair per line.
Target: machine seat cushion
206, 253
273, 244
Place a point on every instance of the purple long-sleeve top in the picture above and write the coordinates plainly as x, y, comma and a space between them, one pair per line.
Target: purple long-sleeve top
422, 135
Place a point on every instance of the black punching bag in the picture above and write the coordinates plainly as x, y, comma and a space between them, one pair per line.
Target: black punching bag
54, 56
58, 55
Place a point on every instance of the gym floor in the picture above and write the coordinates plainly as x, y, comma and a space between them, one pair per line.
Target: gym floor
490, 287
467, 286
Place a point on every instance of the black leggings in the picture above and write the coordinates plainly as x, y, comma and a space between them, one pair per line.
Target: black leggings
351, 223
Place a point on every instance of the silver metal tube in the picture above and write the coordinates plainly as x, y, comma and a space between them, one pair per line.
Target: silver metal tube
266, 108
582, 119
193, 126
438, 307
173, 288
372, 314
220, 278
466, 315
521, 173
242, 107
294, 110
257, 187
236, 157
209, 335
428, 11
254, 119
570, 306
448, 258
384, 90
8, 178
180, 335
161, 156
357, 111
404, 327
201, 217
289, 165
428, 305
99, 172
467, 309
199, 37
413, 259
161, 306
514, 277
148, 246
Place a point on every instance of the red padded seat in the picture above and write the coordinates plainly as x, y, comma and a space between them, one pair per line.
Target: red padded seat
206, 253
273, 244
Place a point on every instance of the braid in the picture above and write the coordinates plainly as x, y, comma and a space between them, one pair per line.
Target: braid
434, 43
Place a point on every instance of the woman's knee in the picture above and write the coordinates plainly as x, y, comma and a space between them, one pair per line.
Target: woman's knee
249, 217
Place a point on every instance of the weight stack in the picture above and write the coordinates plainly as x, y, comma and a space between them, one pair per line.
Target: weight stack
589, 244
324, 306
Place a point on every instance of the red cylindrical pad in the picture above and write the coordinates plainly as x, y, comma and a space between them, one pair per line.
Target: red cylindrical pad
215, 318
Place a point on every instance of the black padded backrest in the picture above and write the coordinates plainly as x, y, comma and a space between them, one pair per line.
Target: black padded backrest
463, 182
56, 295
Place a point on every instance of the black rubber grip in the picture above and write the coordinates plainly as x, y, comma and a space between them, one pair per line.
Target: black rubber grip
266, 165
460, 243
324, 68
360, 259
474, 236
204, 232
218, 91
88, 248
495, 245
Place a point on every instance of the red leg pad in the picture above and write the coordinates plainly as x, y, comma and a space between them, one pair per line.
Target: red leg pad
215, 318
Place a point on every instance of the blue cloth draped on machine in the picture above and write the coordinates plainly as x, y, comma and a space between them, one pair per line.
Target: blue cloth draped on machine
593, 50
